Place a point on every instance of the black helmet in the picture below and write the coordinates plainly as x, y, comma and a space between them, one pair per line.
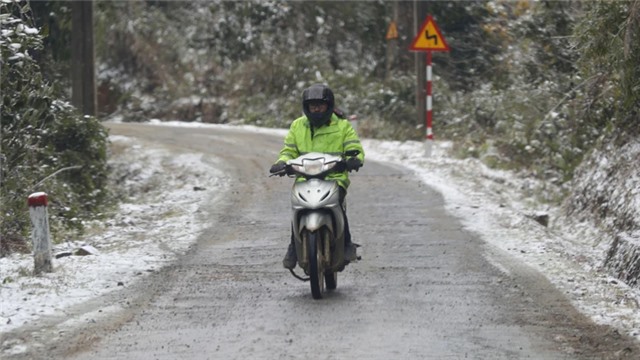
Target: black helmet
315, 93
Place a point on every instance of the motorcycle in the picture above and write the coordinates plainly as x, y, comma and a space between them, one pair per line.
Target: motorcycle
318, 218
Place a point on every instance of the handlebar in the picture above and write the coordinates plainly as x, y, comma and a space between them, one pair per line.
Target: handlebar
340, 166
281, 173
288, 169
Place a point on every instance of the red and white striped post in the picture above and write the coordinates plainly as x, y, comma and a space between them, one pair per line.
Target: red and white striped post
429, 38
38, 203
429, 102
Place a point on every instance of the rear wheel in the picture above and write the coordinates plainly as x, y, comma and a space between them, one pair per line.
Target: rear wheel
316, 273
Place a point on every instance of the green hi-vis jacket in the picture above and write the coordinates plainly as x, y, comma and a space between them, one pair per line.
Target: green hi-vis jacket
335, 138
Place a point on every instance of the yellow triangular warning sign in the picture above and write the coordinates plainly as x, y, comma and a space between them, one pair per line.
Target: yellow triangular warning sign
392, 32
429, 38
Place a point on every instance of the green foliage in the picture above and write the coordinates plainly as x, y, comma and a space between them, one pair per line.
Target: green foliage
144, 61
530, 116
248, 60
41, 135
475, 44
527, 85
609, 37
53, 19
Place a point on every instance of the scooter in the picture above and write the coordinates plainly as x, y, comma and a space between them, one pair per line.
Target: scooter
318, 218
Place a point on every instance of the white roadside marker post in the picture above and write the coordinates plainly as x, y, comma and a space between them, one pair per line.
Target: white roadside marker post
38, 203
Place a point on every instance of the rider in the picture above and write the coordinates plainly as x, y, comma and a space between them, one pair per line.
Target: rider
321, 130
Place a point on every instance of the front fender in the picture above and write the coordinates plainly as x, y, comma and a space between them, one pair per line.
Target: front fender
313, 221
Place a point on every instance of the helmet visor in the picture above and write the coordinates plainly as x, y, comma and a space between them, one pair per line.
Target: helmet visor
317, 106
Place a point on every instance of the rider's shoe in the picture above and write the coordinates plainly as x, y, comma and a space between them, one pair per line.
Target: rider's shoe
350, 252
291, 258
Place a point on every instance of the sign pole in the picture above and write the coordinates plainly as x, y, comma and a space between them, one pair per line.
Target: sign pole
392, 39
429, 124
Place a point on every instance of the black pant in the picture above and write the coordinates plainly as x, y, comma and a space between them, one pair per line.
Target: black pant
347, 233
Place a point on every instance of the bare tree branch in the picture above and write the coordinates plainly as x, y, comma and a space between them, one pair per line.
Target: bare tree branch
54, 174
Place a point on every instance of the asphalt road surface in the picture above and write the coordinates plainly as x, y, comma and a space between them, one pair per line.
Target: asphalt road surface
425, 288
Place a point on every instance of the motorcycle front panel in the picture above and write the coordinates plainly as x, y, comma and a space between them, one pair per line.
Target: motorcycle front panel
316, 204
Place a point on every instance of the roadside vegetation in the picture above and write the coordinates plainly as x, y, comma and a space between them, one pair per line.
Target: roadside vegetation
540, 88
46, 145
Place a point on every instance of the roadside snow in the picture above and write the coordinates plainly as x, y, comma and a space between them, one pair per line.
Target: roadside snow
158, 221
488, 202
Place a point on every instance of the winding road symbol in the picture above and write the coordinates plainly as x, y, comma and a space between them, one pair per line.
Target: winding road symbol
431, 37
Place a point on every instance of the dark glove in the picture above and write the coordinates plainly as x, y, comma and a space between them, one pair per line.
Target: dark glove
278, 168
353, 164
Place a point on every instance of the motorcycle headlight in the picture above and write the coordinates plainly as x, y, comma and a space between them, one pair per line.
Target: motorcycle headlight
313, 166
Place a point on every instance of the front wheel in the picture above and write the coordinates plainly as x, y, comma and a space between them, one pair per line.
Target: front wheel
316, 273
331, 279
